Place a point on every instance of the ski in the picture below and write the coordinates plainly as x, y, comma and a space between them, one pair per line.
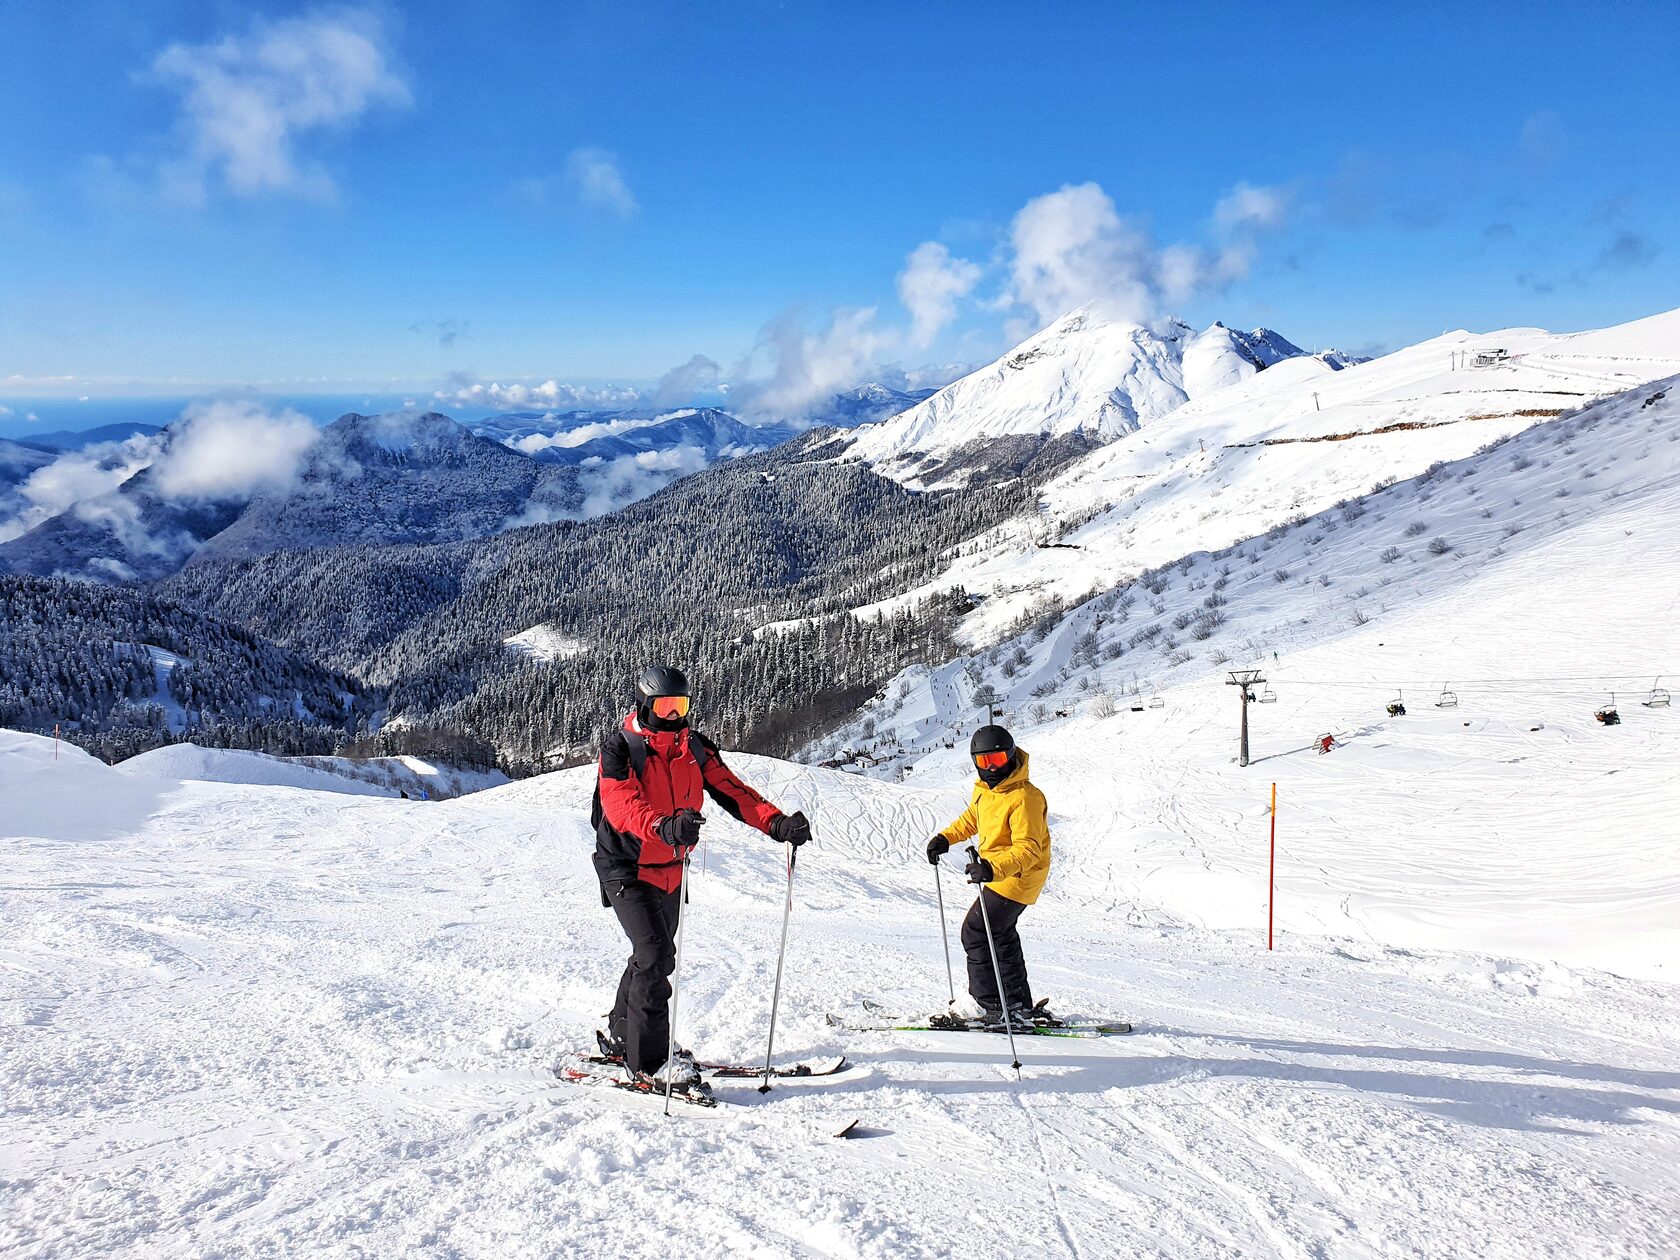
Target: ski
741, 1071
1082, 1030
737, 1071
884, 1020
595, 1073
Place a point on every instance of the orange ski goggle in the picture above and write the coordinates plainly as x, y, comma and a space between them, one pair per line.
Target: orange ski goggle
670, 706
991, 760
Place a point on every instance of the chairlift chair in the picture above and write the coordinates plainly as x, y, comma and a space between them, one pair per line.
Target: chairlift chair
1155, 702
1448, 699
1397, 706
1608, 715
1658, 699
1268, 696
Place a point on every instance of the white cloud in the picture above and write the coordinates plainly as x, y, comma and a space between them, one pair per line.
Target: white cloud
929, 286
1072, 248
551, 395
1247, 208
808, 366
5, 410
249, 102
596, 179
685, 382
75, 477
231, 450
616, 482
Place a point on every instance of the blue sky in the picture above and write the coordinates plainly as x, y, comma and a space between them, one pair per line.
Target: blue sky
424, 197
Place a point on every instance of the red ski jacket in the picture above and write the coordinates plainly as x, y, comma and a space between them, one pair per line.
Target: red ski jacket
633, 792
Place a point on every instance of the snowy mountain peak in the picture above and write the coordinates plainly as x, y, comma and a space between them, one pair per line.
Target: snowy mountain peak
1083, 377
396, 433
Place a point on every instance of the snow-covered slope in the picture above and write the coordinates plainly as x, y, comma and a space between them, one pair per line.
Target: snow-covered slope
242, 1018
1292, 440
1083, 375
1531, 581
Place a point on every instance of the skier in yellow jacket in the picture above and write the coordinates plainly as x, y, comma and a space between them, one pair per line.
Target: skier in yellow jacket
1006, 816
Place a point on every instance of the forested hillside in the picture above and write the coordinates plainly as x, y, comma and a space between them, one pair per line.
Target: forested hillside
692, 575
120, 671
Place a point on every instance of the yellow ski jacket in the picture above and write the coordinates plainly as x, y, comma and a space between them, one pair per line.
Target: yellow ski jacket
1014, 834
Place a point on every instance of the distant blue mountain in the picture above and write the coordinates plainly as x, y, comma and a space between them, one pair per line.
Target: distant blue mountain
580, 438
78, 439
585, 439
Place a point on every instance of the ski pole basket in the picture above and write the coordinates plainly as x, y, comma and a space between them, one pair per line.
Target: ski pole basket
1658, 699
1448, 699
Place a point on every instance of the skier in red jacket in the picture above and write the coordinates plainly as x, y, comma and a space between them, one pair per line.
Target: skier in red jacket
652, 774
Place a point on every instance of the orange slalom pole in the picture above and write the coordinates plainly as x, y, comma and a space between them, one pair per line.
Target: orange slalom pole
1271, 873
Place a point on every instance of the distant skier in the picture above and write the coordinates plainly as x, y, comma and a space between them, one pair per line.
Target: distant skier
1007, 817
648, 794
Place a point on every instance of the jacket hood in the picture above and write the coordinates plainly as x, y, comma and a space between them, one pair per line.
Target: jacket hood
663, 742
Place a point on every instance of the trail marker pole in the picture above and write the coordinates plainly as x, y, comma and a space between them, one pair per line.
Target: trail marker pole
1271, 873
55, 741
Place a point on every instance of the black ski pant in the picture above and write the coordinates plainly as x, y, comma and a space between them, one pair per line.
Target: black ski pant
641, 1013
1011, 962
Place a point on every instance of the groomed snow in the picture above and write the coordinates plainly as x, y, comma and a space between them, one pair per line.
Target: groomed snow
544, 643
254, 1019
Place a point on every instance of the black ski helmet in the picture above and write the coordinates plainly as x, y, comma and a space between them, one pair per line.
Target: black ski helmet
659, 680
994, 739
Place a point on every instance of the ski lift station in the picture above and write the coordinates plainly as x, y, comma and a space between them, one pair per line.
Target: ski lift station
1490, 358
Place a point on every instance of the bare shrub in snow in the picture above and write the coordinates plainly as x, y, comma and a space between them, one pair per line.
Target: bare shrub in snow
1379, 486
1180, 621
1280, 575
1390, 555
1180, 657
1218, 656
1416, 528
1102, 705
1357, 618
1521, 462
1324, 579
1439, 546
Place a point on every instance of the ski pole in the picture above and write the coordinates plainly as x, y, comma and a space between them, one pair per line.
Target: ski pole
776, 998
676, 977
944, 935
997, 971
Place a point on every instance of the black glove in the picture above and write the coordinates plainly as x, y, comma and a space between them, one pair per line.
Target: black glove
979, 871
794, 829
938, 847
682, 829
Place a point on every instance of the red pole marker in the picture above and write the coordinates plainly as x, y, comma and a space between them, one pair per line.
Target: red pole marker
1271, 873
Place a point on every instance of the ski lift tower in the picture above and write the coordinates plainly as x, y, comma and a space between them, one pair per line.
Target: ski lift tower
1246, 679
989, 700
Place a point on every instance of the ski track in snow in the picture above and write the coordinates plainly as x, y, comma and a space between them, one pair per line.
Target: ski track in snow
259, 1019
